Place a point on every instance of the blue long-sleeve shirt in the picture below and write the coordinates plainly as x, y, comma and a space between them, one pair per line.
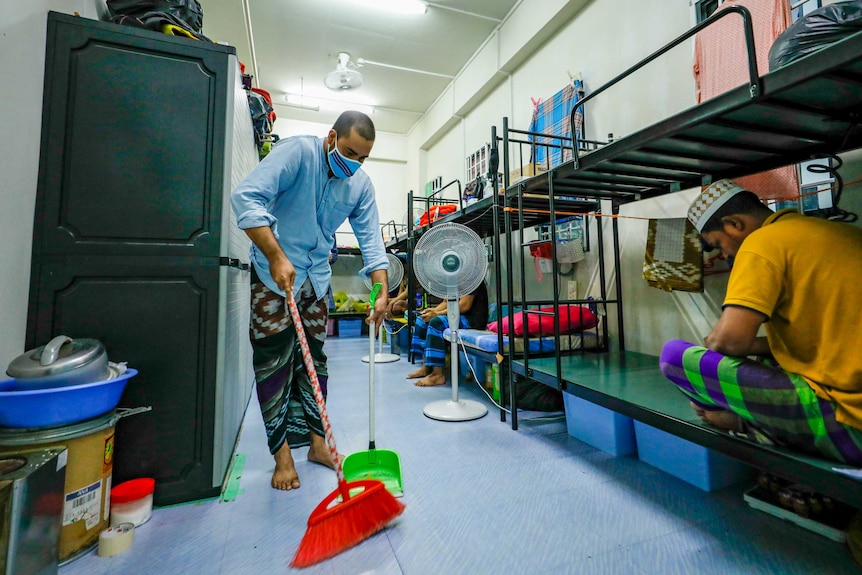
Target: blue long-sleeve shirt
291, 192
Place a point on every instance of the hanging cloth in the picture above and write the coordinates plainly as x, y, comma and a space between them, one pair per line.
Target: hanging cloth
720, 64
552, 116
674, 258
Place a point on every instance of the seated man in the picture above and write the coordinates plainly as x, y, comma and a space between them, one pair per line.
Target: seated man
428, 334
397, 306
801, 277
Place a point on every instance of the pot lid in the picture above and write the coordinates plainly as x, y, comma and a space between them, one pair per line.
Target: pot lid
60, 355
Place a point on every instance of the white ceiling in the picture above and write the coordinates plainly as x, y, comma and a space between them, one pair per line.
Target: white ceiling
297, 42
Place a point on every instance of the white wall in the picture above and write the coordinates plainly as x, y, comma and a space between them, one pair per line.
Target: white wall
22, 63
599, 41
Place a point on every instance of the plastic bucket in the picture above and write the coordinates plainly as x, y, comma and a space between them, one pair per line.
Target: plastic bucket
132, 501
89, 464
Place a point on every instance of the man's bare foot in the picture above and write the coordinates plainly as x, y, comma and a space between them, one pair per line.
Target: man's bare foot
720, 418
431, 380
318, 452
421, 372
284, 477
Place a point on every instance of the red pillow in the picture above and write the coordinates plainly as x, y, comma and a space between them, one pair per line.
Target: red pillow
493, 326
572, 318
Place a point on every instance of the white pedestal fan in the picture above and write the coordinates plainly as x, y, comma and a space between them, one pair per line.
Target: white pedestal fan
450, 261
394, 277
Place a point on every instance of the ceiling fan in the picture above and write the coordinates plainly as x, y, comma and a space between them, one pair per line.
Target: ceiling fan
343, 77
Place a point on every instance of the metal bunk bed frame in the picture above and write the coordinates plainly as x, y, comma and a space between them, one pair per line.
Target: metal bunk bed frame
806, 109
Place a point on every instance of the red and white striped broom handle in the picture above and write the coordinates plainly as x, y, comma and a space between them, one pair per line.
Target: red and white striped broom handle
315, 384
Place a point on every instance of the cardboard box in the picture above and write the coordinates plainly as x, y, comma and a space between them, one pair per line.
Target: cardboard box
602, 428
693, 463
526, 171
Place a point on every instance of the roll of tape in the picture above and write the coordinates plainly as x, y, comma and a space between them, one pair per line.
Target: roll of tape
116, 539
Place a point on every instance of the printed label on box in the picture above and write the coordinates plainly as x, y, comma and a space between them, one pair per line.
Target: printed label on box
83, 504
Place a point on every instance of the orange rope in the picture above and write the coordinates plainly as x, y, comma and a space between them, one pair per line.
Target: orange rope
620, 216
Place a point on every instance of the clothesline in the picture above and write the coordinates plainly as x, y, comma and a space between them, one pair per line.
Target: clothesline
625, 217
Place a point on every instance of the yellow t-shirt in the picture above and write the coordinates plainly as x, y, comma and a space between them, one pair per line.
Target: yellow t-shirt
805, 275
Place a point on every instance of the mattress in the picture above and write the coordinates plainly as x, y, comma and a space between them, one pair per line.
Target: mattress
486, 340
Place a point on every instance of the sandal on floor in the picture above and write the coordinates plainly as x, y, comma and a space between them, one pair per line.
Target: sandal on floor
748, 431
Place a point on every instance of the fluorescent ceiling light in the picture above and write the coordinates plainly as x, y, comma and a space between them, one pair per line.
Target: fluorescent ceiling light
335, 106
317, 104
297, 101
397, 6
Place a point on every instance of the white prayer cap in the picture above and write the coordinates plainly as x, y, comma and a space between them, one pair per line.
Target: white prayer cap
710, 200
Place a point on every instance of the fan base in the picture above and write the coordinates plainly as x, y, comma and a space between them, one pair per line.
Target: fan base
382, 358
448, 410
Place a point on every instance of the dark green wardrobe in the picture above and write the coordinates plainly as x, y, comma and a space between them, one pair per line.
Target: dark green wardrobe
143, 137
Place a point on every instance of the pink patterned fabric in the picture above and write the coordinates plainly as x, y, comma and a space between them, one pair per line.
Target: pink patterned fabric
720, 64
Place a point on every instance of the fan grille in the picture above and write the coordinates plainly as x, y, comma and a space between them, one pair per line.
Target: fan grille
343, 79
450, 260
395, 274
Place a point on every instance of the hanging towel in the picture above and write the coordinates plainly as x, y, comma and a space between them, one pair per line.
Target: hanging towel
720, 64
552, 116
674, 257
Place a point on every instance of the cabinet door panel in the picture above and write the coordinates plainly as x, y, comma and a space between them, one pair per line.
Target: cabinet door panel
161, 318
133, 149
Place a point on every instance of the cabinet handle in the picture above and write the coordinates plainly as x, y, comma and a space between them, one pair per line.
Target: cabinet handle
234, 263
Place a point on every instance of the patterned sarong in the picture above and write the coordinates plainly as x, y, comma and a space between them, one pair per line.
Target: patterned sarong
428, 339
284, 389
779, 403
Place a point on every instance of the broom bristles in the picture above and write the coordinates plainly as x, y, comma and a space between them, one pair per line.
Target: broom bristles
338, 528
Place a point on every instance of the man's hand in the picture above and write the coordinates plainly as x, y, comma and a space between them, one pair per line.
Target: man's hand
280, 269
379, 312
428, 314
283, 273
382, 302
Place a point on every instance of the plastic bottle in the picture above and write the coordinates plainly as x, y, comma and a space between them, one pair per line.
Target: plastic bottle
495, 374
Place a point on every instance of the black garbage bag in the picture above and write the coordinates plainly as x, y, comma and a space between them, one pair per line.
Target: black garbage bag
816, 30
189, 12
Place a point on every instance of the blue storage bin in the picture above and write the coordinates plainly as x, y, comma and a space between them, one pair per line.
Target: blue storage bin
602, 428
349, 327
465, 376
693, 463
399, 340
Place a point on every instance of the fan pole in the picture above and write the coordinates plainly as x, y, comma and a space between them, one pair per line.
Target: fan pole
396, 272
454, 409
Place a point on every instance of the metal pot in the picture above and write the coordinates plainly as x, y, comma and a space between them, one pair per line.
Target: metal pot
62, 361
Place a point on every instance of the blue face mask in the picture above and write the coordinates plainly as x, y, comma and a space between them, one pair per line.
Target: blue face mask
342, 167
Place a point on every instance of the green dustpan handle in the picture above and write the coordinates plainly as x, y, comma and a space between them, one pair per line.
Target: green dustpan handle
375, 290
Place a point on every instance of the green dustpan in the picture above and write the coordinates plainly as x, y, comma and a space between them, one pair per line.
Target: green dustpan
380, 464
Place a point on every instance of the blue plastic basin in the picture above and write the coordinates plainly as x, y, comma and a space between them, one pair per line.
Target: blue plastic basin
23, 406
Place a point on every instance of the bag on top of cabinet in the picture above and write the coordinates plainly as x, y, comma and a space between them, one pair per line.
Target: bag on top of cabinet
189, 12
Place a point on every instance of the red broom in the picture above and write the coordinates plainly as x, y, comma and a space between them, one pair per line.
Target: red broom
332, 529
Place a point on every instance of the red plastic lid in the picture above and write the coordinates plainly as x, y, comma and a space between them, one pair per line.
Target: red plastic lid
133, 490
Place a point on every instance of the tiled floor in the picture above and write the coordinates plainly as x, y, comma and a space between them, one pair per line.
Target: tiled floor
480, 499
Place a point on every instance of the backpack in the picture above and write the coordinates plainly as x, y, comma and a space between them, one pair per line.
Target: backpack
188, 12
